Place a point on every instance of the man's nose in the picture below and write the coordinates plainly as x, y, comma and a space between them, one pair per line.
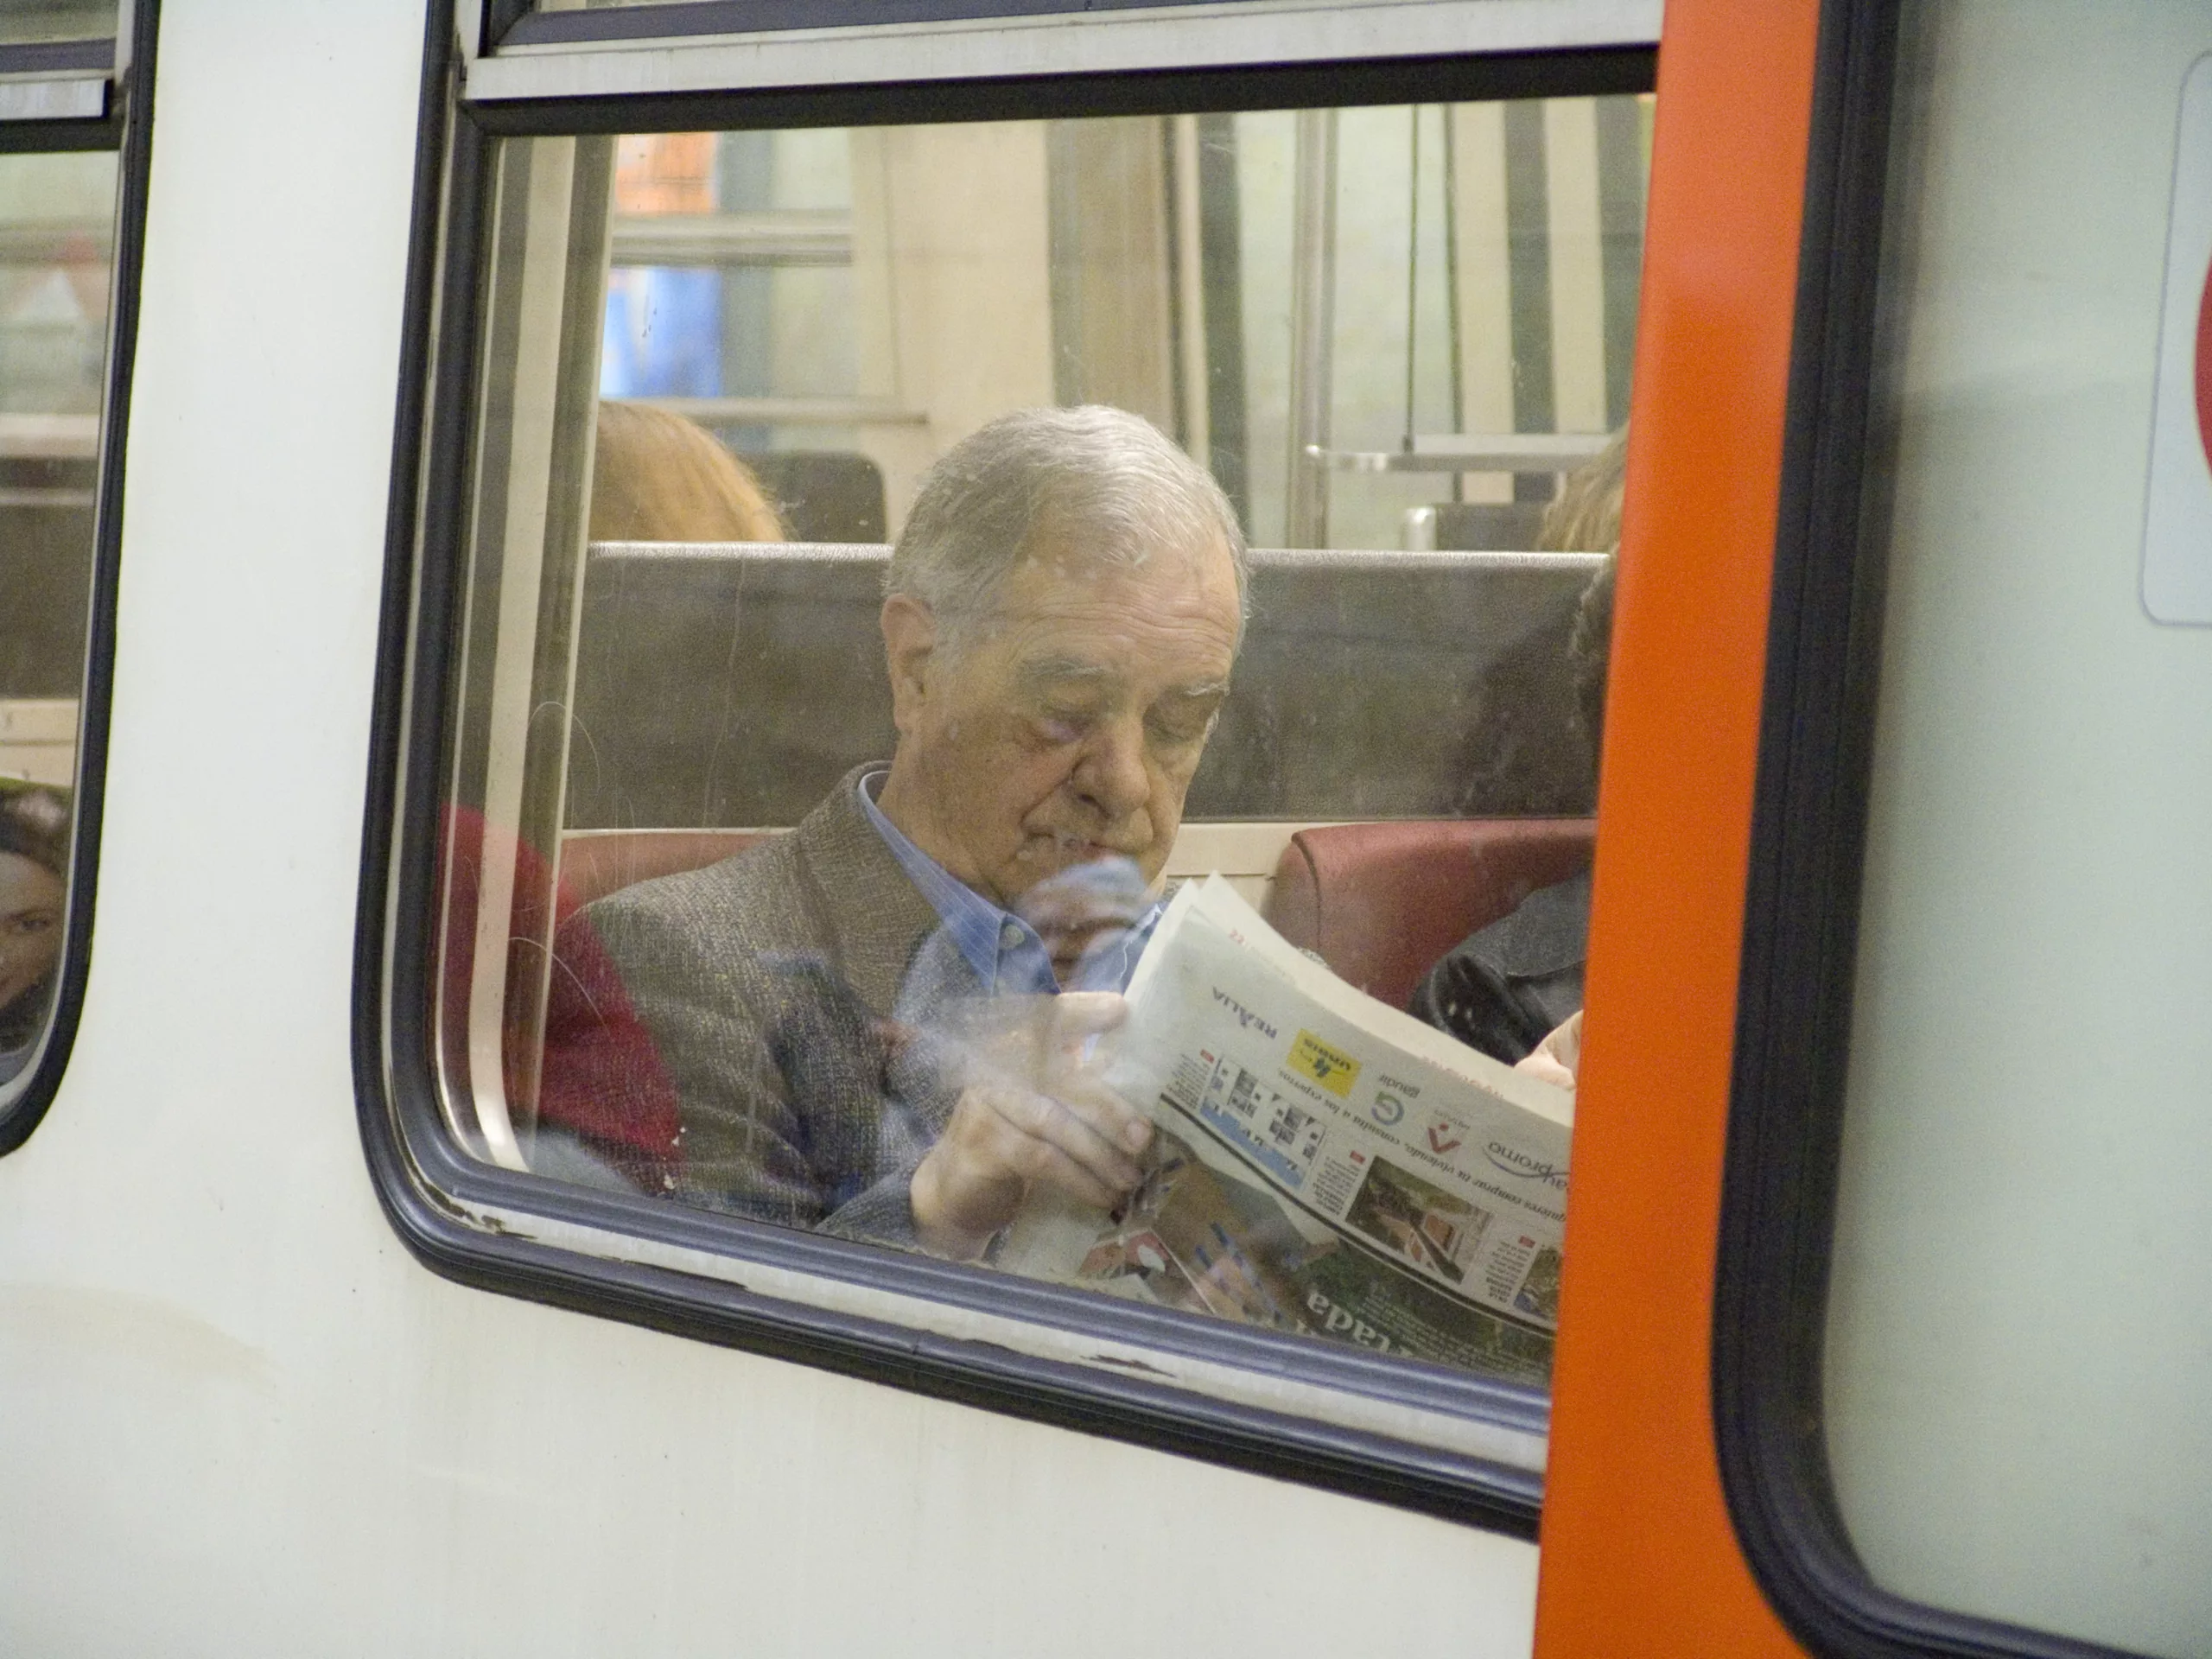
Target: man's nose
1112, 775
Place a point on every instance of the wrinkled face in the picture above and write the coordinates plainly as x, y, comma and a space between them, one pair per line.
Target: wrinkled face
1067, 730
30, 924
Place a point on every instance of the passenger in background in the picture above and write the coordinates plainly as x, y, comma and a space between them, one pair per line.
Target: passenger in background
862, 1021
1514, 988
34, 886
657, 477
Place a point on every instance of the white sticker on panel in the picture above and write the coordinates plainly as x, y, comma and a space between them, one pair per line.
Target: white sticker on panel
2178, 526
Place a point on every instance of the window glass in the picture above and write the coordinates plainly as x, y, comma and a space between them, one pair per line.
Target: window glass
2017, 1349
759, 886
57, 215
24, 23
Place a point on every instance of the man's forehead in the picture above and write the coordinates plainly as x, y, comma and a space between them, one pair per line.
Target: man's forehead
1064, 618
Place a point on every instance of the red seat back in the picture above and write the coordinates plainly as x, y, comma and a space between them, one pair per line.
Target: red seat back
1381, 902
601, 862
600, 1079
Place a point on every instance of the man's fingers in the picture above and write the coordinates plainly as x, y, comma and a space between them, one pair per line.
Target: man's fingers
1040, 1122
1566, 1043
1114, 1118
1004, 1140
1559, 1056
1051, 1167
1078, 1015
1537, 1064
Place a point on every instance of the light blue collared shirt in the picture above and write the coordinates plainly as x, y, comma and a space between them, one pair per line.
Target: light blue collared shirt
1006, 952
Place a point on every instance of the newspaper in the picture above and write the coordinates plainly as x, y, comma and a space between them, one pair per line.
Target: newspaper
1323, 1163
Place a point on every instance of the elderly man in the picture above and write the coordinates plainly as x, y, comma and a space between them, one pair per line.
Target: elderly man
862, 1023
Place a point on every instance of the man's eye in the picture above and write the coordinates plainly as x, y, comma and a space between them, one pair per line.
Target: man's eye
1183, 726
1063, 726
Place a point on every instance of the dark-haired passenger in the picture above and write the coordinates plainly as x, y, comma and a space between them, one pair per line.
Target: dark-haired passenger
1514, 988
34, 886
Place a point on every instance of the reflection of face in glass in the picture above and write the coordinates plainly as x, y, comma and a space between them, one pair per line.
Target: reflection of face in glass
30, 925
1068, 731
1085, 910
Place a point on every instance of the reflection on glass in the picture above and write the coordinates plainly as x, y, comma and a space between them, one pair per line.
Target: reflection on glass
819, 908
56, 229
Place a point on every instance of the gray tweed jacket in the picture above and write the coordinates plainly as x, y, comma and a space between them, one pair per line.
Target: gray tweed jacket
766, 983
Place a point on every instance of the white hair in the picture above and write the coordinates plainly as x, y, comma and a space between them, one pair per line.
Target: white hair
1114, 475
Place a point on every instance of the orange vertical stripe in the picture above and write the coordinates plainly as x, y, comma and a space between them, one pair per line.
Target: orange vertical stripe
1639, 1556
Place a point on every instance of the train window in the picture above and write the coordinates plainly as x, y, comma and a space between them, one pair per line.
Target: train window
2010, 1210
53, 23
61, 214
890, 562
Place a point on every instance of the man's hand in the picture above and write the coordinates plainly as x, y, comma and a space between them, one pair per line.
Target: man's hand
1559, 1057
1034, 1113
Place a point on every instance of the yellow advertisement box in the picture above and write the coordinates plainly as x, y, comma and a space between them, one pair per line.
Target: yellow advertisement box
1331, 1068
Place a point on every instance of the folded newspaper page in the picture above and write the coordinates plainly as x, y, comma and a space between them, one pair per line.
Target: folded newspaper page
1325, 1163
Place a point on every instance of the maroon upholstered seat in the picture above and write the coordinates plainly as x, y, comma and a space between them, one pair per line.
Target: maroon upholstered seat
601, 1079
1381, 902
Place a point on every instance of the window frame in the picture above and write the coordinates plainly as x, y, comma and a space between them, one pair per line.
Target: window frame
515, 53
125, 65
1034, 1350
1807, 855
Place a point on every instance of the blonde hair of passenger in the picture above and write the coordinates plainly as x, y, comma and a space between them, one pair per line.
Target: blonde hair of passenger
1585, 516
657, 477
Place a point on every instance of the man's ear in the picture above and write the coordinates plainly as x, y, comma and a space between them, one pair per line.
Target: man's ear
909, 637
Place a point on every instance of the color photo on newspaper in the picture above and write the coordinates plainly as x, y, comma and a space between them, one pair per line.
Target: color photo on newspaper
1327, 1164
